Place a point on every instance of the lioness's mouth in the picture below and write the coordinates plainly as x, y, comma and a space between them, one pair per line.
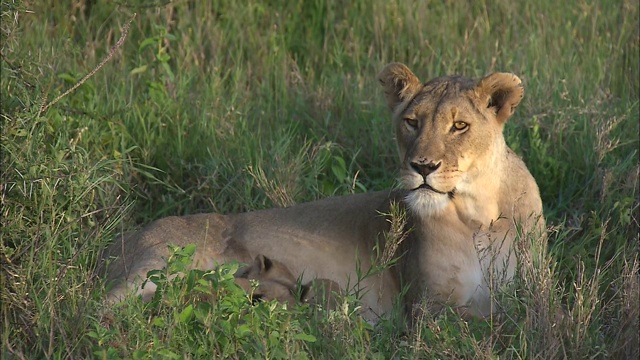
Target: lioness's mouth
428, 187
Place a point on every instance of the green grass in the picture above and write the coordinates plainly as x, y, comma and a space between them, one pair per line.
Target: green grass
231, 106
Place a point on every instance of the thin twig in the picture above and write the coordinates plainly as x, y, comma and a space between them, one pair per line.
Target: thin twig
123, 36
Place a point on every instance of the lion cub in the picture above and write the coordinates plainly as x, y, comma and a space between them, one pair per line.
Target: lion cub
275, 281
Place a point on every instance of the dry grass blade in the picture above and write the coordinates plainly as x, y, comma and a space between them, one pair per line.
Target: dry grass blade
123, 37
396, 235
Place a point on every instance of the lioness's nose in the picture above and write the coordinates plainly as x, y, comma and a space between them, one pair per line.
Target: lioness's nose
425, 169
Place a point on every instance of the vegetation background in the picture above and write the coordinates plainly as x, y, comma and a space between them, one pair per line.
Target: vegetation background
232, 106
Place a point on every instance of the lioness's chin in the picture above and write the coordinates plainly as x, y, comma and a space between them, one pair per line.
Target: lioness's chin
426, 202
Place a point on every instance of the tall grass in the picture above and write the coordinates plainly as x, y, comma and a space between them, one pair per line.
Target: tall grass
231, 106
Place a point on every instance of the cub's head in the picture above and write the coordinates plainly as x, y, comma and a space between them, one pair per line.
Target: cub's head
275, 281
449, 132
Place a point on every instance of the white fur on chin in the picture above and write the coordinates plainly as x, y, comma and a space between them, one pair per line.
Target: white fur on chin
425, 202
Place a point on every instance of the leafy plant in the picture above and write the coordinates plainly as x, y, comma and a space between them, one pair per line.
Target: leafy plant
199, 313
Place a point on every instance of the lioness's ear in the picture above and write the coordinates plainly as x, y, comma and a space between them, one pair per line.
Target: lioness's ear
502, 92
399, 83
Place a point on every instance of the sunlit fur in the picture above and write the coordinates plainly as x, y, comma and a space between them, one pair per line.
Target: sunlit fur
425, 202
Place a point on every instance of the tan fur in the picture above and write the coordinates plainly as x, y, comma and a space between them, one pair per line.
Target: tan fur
322, 292
462, 225
274, 280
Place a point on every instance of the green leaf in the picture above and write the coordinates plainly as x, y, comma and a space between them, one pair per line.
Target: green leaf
67, 78
138, 70
186, 314
158, 321
305, 337
189, 250
140, 354
168, 354
167, 69
339, 168
21, 133
146, 43
243, 331
163, 57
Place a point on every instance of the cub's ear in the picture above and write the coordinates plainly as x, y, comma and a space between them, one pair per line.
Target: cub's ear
306, 293
501, 92
263, 263
399, 83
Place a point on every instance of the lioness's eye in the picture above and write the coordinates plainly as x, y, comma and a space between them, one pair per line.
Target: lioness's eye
460, 125
413, 123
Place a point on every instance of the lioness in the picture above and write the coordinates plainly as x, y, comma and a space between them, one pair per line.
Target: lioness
467, 195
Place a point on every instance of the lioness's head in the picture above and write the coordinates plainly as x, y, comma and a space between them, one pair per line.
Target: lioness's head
448, 130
